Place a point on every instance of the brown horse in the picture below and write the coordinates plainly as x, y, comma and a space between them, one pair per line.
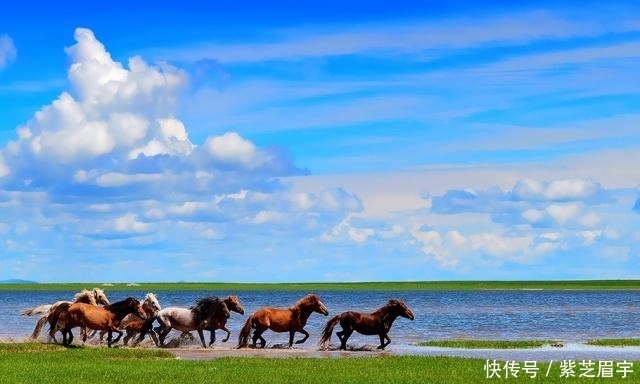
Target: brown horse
292, 320
219, 321
377, 323
95, 297
68, 316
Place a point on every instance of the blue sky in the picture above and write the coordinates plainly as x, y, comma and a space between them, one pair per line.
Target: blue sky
335, 141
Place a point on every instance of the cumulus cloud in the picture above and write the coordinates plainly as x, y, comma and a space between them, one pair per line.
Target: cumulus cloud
533, 202
8, 51
112, 160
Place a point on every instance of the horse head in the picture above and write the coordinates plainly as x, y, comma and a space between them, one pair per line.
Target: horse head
151, 304
100, 296
314, 303
399, 308
233, 304
136, 307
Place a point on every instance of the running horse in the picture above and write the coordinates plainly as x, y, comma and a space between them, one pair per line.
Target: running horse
219, 321
292, 320
94, 297
185, 319
377, 323
68, 316
132, 324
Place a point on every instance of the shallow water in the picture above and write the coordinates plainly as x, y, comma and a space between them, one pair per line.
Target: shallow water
569, 316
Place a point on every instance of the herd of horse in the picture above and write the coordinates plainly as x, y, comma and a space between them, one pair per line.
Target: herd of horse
91, 310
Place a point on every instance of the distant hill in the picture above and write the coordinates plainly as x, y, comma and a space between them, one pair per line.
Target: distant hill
17, 281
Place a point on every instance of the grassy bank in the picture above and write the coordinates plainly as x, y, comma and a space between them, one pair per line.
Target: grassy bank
383, 286
491, 344
45, 363
615, 342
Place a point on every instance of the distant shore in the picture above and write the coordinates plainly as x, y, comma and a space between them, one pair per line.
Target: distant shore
361, 286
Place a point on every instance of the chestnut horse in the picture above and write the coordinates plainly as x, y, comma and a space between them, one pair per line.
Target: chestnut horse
68, 316
95, 297
133, 324
377, 323
292, 320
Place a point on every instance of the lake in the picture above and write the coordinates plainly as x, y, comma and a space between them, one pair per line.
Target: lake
567, 315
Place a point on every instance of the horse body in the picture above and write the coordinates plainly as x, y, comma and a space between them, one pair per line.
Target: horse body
377, 323
94, 297
292, 320
219, 320
94, 317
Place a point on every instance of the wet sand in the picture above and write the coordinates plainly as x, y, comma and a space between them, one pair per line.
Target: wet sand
576, 352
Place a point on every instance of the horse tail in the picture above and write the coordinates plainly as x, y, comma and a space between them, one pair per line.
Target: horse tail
55, 315
328, 329
37, 310
36, 331
243, 338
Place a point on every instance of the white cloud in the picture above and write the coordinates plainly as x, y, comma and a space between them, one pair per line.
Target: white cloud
4, 169
8, 51
563, 212
130, 223
232, 148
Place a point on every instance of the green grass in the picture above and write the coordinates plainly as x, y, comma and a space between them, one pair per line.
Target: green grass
45, 363
496, 344
383, 286
615, 342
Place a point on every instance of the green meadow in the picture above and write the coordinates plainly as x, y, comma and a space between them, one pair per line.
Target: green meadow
362, 286
48, 363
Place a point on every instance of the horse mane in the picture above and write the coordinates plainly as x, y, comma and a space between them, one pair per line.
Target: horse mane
99, 293
305, 301
204, 308
85, 296
389, 311
152, 298
122, 304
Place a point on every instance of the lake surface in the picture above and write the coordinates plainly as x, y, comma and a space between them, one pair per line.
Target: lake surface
569, 316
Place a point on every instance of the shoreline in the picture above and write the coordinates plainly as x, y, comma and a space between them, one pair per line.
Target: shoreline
568, 351
516, 285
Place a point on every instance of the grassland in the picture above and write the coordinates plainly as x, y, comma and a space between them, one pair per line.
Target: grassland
492, 344
615, 342
364, 286
46, 363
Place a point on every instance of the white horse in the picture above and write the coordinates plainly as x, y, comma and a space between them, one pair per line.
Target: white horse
94, 297
188, 319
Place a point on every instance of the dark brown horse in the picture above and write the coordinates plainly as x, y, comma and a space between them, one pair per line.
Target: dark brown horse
68, 316
219, 320
377, 323
292, 320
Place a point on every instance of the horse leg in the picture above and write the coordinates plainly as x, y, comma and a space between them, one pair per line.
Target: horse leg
306, 336
155, 339
384, 336
163, 334
201, 334
344, 336
228, 334
128, 337
111, 336
212, 336
257, 334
